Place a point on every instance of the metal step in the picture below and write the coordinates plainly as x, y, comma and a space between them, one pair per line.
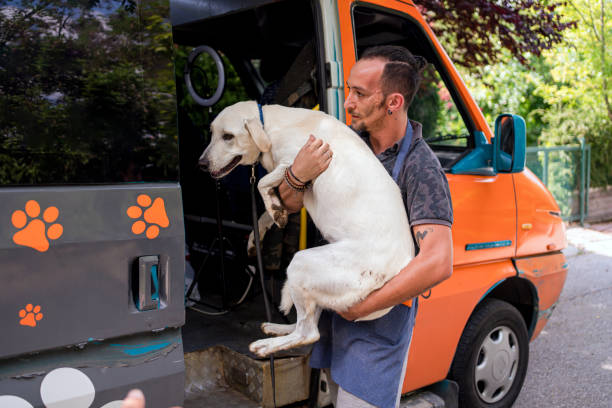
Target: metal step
211, 373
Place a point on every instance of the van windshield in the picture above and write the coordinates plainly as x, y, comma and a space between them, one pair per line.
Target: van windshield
87, 92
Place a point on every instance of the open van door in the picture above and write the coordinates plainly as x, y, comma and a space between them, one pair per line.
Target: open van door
91, 234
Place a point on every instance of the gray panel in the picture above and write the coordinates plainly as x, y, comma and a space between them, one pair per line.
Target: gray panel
83, 281
191, 11
111, 369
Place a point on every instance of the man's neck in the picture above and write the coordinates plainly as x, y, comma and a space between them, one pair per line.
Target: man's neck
390, 133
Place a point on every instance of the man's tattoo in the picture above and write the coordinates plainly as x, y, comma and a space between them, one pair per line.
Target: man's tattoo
420, 235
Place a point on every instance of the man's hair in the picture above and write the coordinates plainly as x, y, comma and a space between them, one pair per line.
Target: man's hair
402, 73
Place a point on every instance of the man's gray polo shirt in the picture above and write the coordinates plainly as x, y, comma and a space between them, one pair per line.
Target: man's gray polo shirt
422, 181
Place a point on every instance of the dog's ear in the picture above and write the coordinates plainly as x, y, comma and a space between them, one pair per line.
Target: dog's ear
259, 135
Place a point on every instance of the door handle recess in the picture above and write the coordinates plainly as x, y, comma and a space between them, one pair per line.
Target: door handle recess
148, 282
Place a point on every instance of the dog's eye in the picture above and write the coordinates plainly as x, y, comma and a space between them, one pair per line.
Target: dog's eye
227, 136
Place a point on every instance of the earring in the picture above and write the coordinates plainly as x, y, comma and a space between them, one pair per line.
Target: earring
390, 112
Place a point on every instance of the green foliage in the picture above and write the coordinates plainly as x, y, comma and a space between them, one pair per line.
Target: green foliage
81, 80
434, 108
564, 95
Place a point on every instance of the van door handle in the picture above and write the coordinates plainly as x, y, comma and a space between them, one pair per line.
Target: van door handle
148, 282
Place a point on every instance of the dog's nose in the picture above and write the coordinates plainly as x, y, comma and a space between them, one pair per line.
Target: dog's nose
203, 163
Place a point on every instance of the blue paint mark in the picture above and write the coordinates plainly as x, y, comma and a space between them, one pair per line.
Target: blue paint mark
155, 295
521, 272
490, 289
564, 266
334, 45
139, 350
546, 313
486, 245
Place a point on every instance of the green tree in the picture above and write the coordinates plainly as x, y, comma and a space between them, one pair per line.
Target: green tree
80, 79
564, 94
579, 92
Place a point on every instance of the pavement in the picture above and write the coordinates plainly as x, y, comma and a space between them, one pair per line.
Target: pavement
570, 363
595, 238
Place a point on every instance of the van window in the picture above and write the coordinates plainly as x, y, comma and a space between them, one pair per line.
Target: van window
87, 93
446, 125
433, 106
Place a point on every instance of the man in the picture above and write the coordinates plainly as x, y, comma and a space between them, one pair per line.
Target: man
367, 359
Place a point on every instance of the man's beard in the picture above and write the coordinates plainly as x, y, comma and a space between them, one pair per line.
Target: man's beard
359, 127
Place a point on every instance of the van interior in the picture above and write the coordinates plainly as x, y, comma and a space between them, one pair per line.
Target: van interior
275, 58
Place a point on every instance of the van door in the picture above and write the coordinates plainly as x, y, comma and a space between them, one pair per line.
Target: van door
484, 228
91, 234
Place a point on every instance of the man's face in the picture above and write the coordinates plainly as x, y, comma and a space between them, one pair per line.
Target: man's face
366, 101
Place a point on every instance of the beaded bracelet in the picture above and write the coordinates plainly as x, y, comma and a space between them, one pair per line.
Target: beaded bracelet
295, 177
292, 185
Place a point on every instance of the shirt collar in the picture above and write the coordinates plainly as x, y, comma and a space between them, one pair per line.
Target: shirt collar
417, 133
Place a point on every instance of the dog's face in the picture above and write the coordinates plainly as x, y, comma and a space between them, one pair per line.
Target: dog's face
237, 138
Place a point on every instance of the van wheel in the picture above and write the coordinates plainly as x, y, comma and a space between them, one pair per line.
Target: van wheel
491, 360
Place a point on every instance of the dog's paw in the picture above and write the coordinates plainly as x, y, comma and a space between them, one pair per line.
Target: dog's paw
261, 348
280, 216
274, 329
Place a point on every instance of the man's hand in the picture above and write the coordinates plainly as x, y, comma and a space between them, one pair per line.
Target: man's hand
432, 265
135, 399
312, 160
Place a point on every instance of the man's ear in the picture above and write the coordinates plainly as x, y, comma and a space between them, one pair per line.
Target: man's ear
395, 101
259, 135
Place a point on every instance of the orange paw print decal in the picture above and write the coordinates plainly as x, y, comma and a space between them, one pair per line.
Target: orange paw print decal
154, 216
33, 232
30, 315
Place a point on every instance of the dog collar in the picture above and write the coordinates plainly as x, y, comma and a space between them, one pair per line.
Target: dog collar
261, 118
260, 113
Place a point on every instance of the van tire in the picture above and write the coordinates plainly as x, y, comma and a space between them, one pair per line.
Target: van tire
490, 340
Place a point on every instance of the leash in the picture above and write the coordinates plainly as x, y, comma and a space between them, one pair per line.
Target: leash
260, 263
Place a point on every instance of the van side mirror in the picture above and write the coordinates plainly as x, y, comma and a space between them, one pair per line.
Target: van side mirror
509, 144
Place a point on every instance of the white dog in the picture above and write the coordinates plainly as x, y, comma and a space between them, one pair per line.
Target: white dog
354, 203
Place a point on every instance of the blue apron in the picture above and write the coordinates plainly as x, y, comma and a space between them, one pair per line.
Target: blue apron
367, 357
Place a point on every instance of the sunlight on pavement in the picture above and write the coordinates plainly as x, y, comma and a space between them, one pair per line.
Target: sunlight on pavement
590, 240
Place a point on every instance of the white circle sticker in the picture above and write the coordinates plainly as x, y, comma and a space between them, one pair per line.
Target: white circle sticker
11, 401
67, 388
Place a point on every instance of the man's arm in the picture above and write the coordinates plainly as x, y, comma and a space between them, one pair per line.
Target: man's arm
432, 265
312, 160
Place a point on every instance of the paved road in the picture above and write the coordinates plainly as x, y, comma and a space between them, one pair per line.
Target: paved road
571, 361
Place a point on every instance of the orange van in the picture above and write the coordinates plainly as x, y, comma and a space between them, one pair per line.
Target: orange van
103, 200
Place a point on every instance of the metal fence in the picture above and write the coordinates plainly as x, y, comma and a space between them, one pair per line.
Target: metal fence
565, 171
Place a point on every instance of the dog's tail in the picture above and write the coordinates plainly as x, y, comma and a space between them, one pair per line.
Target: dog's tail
286, 301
